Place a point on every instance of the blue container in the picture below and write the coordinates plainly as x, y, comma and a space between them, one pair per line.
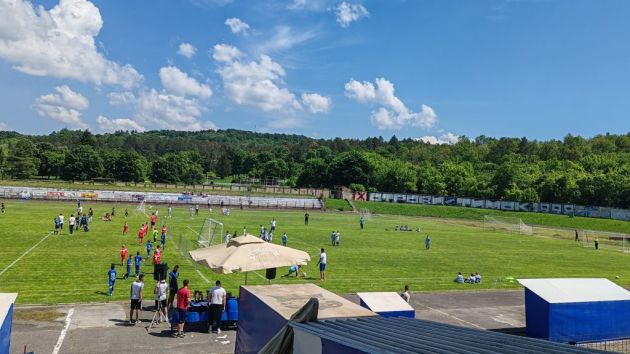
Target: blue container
192, 317
232, 309
203, 316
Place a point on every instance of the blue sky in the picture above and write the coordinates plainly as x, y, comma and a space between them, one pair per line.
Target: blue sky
322, 68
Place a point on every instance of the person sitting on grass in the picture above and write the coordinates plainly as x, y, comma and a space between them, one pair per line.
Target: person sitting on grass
470, 279
294, 269
477, 278
460, 278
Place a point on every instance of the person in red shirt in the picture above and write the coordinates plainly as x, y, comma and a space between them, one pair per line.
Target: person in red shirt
125, 228
141, 235
157, 256
183, 300
153, 219
123, 255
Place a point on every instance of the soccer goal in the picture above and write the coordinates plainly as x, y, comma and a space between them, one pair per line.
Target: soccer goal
211, 233
366, 214
608, 240
494, 222
141, 208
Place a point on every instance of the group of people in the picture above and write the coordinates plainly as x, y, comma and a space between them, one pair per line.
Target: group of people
472, 279
80, 222
334, 238
405, 228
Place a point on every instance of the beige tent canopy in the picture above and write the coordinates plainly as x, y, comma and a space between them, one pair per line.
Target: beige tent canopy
247, 253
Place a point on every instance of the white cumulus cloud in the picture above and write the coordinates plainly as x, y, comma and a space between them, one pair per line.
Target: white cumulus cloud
187, 50
283, 38
448, 138
225, 53
391, 112
4, 127
59, 42
121, 98
255, 83
107, 125
237, 26
179, 83
348, 13
161, 110
316, 103
63, 106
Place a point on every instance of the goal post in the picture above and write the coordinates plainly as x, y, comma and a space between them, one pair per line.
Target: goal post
513, 224
141, 208
366, 214
606, 239
211, 233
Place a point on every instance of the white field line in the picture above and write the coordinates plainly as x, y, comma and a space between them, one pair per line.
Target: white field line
62, 335
204, 278
25, 253
454, 317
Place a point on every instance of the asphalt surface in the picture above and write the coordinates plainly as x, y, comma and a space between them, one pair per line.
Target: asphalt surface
103, 328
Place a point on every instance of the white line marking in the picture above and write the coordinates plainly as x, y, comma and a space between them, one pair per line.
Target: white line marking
24, 254
454, 317
62, 335
204, 278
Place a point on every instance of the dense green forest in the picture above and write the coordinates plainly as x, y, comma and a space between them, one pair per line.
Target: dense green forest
594, 171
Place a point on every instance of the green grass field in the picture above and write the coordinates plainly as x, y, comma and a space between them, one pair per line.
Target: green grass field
65, 269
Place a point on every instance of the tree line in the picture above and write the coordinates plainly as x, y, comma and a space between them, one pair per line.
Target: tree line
593, 171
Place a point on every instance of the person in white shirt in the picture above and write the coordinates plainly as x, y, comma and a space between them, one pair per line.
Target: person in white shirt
216, 301
244, 231
71, 222
160, 300
61, 221
136, 299
273, 225
322, 265
227, 237
406, 295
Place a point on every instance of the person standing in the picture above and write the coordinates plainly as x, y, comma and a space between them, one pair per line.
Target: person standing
172, 284
333, 236
322, 264
427, 242
337, 235
361, 221
244, 231
60, 221
163, 236
183, 300
157, 256
596, 243
154, 232
169, 212
160, 299
149, 247
125, 229
112, 279
136, 299
138, 263
196, 209
90, 215
273, 225
126, 213
306, 218
153, 219
71, 222
216, 300
129, 263
113, 211
406, 295
576, 236
123, 254
285, 239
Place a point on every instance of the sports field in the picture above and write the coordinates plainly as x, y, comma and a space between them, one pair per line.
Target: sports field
64, 269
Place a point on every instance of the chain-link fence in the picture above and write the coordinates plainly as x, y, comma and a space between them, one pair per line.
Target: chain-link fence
613, 345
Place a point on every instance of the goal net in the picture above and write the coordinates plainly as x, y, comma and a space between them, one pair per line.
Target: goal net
494, 222
608, 240
211, 233
141, 208
366, 214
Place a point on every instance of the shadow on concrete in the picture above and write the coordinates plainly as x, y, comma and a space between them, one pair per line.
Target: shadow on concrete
517, 331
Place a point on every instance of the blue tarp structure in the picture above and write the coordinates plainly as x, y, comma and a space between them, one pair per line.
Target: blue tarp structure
265, 309
386, 304
576, 309
407, 335
6, 318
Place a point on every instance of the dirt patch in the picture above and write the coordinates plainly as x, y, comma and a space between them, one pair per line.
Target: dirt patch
49, 315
